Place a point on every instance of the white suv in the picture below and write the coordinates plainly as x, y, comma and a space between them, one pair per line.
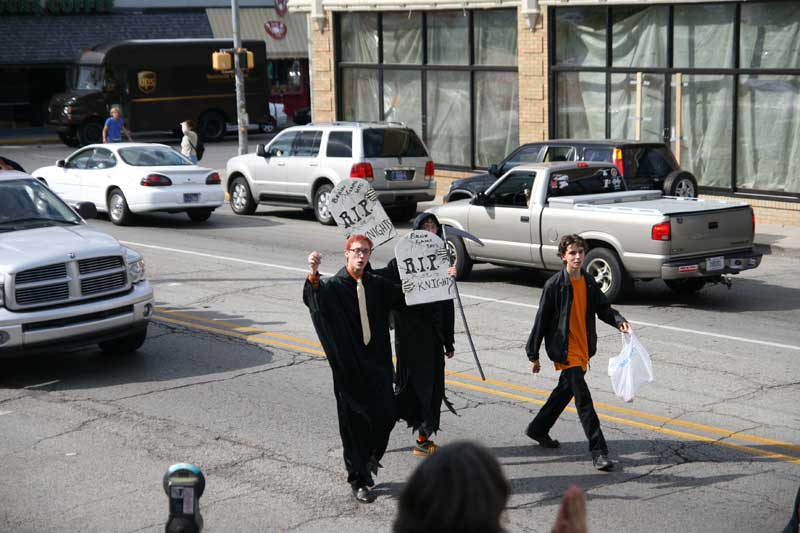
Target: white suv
303, 163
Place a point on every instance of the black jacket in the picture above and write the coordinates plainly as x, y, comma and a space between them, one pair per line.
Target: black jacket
552, 319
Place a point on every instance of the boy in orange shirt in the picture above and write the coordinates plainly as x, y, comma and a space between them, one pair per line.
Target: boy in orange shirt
566, 323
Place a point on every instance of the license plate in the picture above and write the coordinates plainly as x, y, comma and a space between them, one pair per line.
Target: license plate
399, 175
191, 197
715, 263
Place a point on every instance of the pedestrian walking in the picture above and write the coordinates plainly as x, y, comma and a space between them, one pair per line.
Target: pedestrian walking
565, 322
423, 338
189, 141
350, 312
115, 127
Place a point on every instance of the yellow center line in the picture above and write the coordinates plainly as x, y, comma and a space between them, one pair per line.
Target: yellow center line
639, 414
257, 336
649, 427
237, 327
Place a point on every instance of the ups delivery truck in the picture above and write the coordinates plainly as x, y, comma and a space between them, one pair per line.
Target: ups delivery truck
158, 84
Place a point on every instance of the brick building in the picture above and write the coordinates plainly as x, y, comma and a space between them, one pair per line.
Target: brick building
719, 81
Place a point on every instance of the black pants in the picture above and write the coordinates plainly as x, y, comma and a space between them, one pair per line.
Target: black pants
571, 384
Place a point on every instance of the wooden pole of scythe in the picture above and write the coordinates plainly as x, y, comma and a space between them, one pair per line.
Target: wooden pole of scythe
463, 316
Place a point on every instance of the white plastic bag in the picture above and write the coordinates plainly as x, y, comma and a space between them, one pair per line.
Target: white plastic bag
631, 369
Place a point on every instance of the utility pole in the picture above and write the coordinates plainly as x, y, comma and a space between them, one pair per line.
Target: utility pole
241, 108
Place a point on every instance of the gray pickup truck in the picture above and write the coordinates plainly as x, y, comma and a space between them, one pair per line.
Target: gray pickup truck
632, 235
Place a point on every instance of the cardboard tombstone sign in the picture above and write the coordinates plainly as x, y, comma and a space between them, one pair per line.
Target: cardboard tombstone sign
356, 209
420, 259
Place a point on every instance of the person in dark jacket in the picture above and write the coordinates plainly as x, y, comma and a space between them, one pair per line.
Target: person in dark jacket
350, 312
423, 338
565, 322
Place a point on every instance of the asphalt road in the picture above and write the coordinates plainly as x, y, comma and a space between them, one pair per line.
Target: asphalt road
232, 378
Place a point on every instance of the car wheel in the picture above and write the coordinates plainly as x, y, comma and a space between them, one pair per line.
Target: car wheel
461, 259
212, 126
680, 183
118, 210
69, 138
199, 215
268, 127
242, 201
604, 266
123, 345
90, 133
685, 286
403, 212
321, 199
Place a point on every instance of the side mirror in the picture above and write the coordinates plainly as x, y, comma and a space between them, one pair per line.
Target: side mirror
481, 199
87, 210
61, 163
493, 170
261, 151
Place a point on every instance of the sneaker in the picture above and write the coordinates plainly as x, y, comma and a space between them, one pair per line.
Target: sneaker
601, 462
423, 449
544, 440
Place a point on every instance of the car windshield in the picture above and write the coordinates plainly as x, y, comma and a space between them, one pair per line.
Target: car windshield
392, 142
89, 78
26, 204
153, 156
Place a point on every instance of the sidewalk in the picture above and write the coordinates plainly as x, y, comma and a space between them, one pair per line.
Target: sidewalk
17, 136
776, 239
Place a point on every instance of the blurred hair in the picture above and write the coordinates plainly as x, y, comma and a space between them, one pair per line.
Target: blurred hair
189, 124
358, 237
459, 489
568, 240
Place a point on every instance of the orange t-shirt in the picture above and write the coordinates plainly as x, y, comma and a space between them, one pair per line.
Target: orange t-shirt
577, 346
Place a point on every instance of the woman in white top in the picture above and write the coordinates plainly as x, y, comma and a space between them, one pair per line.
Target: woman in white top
189, 140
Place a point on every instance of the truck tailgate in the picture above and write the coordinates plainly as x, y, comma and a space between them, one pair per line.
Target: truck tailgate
704, 232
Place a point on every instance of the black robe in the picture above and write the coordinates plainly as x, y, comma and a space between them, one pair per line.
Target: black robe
422, 335
362, 375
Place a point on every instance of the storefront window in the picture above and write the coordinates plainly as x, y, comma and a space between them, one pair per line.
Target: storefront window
402, 95
581, 36
768, 135
495, 37
703, 35
581, 105
770, 33
359, 37
448, 136
448, 38
639, 36
360, 94
706, 125
402, 38
627, 120
496, 116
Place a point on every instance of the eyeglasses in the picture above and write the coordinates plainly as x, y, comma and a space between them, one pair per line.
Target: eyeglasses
360, 251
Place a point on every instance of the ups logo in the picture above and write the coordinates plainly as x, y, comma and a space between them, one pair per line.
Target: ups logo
147, 81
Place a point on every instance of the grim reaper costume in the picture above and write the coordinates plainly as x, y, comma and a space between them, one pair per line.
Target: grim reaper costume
362, 374
423, 334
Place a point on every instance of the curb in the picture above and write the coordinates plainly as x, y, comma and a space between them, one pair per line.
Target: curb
776, 250
29, 140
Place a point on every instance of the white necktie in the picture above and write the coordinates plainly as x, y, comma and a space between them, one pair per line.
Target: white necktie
362, 311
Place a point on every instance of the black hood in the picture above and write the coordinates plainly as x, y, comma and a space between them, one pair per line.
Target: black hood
422, 217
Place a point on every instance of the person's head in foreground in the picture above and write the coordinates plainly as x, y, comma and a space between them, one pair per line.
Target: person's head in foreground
459, 489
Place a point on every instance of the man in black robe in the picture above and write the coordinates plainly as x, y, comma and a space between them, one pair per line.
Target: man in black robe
350, 312
423, 338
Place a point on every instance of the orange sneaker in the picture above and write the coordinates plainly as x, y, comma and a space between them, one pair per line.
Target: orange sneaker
423, 449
